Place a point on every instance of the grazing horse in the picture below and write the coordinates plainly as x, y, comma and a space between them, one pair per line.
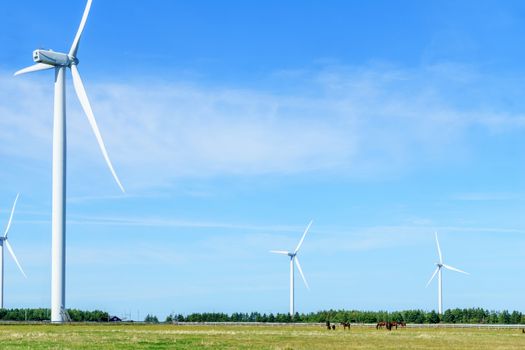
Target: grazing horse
387, 325
402, 324
345, 325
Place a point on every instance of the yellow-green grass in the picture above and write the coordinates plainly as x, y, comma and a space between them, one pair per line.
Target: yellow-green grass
129, 336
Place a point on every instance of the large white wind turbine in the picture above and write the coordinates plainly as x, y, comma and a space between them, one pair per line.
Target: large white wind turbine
48, 59
293, 257
438, 271
5, 242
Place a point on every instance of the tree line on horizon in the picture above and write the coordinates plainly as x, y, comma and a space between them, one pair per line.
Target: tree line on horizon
42, 314
465, 316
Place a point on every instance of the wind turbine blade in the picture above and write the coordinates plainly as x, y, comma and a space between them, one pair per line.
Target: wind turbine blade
34, 68
448, 267
11, 216
82, 96
301, 272
74, 47
302, 238
439, 249
284, 252
431, 278
14, 257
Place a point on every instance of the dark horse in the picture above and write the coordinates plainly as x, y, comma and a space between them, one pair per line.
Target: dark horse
390, 325
380, 325
387, 325
330, 327
345, 325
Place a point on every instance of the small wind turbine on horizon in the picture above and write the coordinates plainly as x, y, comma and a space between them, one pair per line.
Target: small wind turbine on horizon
4, 242
49, 59
438, 271
294, 258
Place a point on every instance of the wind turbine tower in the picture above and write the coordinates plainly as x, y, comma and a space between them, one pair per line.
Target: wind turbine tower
294, 258
4, 242
439, 266
49, 59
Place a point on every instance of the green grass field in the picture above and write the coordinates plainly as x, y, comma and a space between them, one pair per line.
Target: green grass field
126, 336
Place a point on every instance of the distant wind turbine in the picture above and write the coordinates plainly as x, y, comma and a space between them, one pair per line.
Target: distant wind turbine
293, 257
438, 271
49, 59
4, 241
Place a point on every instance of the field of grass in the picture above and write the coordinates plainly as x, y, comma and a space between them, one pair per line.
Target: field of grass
127, 336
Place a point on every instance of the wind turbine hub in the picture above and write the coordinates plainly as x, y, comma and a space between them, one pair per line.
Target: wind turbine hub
73, 61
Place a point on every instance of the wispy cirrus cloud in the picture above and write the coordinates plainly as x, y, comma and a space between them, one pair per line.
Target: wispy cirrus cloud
485, 196
351, 121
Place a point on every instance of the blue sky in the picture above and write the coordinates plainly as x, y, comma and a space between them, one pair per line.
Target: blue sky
232, 124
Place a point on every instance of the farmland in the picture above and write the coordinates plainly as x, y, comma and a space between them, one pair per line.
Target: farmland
142, 336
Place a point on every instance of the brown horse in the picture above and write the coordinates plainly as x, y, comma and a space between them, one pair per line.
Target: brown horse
387, 325
402, 324
380, 325
345, 325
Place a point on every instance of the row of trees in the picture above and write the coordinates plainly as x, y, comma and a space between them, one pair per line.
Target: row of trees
472, 316
45, 315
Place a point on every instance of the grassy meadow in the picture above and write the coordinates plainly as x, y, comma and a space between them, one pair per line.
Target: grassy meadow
129, 336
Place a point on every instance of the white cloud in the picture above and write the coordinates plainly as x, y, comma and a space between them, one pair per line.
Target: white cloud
485, 196
350, 121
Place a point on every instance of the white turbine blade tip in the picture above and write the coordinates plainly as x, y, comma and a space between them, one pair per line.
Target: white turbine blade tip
76, 41
14, 257
439, 249
84, 101
448, 267
11, 216
301, 272
34, 68
431, 278
302, 238
284, 252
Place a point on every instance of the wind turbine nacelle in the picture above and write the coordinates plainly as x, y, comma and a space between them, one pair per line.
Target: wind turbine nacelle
51, 57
